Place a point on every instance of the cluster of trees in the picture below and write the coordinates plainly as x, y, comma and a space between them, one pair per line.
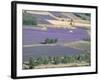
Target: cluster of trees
87, 14
35, 61
29, 19
87, 39
49, 41
84, 16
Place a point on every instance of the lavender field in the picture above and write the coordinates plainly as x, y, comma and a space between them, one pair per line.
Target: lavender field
54, 42
63, 35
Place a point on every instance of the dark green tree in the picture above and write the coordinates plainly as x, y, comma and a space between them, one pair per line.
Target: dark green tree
45, 60
31, 63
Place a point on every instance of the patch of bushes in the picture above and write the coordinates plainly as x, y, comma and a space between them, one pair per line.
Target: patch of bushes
87, 39
29, 19
49, 41
35, 61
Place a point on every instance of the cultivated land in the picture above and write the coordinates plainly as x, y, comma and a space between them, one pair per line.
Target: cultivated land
81, 45
56, 39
